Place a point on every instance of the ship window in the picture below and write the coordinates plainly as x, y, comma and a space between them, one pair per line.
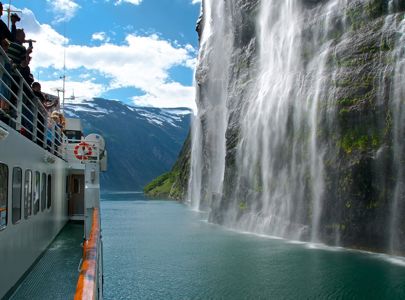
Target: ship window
43, 192
49, 204
27, 194
36, 186
3, 195
17, 193
73, 135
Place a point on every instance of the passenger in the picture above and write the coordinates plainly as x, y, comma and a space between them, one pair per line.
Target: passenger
55, 116
16, 51
37, 99
4, 31
36, 88
46, 102
25, 71
62, 121
5, 38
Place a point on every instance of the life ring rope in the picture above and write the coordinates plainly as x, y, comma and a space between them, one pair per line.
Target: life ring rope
83, 151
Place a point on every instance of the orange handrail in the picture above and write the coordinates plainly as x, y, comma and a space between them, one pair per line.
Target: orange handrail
87, 284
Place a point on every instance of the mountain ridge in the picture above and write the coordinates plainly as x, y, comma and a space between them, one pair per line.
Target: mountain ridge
142, 142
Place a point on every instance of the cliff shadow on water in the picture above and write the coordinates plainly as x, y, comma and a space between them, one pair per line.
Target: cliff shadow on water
301, 120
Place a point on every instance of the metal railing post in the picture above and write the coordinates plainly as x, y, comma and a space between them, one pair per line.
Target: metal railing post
53, 141
35, 122
19, 104
44, 138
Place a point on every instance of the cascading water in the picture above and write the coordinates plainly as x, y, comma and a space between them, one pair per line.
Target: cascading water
397, 231
208, 147
294, 111
281, 153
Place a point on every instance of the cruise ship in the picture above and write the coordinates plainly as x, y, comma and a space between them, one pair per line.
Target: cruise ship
49, 180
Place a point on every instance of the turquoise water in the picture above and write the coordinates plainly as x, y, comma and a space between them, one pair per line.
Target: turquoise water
162, 250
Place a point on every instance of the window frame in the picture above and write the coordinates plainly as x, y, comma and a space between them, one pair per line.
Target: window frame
4, 226
27, 195
13, 221
49, 192
36, 188
43, 195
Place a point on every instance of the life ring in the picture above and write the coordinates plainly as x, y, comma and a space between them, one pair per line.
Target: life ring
85, 151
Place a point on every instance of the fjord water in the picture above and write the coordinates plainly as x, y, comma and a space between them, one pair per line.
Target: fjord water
164, 250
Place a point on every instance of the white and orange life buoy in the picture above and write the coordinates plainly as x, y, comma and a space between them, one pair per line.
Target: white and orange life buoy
83, 151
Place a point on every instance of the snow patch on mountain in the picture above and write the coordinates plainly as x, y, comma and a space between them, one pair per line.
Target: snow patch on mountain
99, 108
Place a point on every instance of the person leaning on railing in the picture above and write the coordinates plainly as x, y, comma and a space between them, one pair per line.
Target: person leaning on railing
25, 70
36, 98
18, 55
48, 105
6, 37
56, 127
17, 51
4, 31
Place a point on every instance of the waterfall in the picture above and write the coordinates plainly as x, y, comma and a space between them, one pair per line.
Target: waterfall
300, 125
284, 107
397, 233
208, 133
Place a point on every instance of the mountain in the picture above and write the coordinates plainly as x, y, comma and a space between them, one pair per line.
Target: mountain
142, 142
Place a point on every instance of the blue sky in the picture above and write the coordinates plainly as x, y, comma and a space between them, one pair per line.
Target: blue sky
141, 52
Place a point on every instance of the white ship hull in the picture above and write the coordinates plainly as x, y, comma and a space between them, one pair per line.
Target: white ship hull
23, 242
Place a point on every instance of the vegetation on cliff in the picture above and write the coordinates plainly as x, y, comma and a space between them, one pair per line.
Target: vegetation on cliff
173, 184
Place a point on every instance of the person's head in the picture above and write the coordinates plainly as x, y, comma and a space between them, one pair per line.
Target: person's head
36, 86
15, 18
55, 116
20, 35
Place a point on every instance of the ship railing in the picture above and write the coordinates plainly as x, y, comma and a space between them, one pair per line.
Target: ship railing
89, 285
21, 110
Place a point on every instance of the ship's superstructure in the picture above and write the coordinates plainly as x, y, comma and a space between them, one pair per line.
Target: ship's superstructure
49, 175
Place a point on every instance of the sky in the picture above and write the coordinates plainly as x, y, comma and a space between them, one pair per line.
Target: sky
140, 52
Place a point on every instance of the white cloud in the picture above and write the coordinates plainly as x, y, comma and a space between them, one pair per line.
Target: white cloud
195, 1
82, 90
63, 9
134, 2
100, 36
141, 62
171, 94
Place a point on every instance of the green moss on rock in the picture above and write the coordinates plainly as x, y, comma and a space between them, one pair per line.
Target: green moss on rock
173, 184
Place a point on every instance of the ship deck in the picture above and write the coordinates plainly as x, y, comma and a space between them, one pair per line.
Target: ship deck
55, 274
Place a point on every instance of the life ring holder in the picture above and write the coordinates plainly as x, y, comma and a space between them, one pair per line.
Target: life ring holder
86, 151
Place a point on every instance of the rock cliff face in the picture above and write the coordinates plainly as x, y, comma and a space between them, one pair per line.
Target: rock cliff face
300, 131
